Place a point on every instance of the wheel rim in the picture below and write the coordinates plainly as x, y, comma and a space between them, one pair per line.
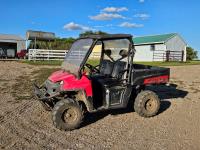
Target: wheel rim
70, 115
150, 105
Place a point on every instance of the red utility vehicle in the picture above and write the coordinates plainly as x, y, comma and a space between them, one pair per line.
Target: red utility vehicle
112, 84
22, 54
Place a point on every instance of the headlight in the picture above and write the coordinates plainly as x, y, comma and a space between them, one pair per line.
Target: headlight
61, 83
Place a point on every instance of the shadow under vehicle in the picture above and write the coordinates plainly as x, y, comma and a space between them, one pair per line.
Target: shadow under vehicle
113, 84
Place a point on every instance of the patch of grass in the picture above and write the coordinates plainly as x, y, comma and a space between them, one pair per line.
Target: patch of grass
170, 63
23, 88
93, 62
42, 74
55, 62
96, 62
45, 62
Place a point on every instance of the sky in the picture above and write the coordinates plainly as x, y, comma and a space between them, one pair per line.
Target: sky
68, 18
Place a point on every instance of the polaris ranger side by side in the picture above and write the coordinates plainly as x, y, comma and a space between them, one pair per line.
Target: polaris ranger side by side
71, 92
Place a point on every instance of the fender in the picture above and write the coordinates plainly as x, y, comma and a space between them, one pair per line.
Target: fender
88, 101
71, 83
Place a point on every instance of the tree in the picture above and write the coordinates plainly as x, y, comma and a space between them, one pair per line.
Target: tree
191, 53
57, 44
86, 33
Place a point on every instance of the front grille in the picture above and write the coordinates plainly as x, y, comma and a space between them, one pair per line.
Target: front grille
52, 87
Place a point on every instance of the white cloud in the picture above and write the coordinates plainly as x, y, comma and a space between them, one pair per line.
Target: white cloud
102, 26
73, 26
36, 23
142, 16
115, 9
107, 16
131, 25
141, 1
99, 26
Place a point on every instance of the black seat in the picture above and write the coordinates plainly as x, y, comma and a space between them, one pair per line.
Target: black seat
110, 69
116, 75
118, 69
106, 68
111, 72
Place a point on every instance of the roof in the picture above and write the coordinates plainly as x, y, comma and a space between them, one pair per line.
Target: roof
109, 36
10, 37
162, 38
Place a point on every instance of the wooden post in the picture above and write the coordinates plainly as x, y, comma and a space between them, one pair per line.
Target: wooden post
167, 56
182, 58
48, 55
29, 55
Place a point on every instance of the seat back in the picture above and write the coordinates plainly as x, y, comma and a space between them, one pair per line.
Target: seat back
106, 67
118, 68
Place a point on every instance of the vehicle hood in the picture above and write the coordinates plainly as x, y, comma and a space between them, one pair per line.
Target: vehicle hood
60, 75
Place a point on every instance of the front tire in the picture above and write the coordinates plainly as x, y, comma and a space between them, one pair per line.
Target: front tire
147, 104
67, 115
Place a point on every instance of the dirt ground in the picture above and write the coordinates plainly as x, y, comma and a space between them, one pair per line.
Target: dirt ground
25, 125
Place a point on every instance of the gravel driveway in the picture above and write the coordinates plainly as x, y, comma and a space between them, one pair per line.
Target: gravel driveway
25, 125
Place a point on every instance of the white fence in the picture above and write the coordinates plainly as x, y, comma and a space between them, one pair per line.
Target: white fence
45, 54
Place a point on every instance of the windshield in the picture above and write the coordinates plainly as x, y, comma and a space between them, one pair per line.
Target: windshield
76, 55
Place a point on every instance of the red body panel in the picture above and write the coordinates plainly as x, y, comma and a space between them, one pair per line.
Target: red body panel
157, 80
71, 83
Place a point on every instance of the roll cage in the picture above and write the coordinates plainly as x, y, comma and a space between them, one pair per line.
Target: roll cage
102, 38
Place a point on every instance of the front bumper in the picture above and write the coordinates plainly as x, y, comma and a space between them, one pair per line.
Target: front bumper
40, 93
47, 90
43, 97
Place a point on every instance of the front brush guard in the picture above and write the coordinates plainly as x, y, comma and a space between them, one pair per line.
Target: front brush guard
40, 93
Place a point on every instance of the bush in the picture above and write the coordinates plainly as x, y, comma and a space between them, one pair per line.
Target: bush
191, 53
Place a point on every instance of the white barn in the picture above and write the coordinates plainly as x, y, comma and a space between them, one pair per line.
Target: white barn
165, 47
11, 44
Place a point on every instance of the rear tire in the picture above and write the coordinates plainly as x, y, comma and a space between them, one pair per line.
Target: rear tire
67, 115
147, 104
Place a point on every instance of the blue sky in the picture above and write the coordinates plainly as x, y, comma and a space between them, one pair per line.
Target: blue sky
70, 17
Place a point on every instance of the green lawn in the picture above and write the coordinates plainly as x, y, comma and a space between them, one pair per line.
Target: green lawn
46, 62
54, 62
95, 62
170, 63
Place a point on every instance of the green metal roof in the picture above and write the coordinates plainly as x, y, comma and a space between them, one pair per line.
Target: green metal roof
153, 39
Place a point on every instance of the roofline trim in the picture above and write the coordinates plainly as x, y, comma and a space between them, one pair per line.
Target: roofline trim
11, 40
16, 37
154, 35
161, 42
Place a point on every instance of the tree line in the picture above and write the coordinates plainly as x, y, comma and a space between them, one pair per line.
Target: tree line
60, 43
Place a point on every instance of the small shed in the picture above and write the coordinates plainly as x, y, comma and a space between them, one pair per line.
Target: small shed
164, 47
10, 45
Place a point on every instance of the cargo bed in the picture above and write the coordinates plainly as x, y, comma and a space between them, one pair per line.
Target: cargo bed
144, 74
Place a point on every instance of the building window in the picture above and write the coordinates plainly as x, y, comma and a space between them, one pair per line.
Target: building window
152, 47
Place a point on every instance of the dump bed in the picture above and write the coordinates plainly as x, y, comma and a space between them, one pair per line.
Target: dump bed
145, 75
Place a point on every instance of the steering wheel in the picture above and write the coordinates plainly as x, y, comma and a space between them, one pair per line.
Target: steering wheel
93, 69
